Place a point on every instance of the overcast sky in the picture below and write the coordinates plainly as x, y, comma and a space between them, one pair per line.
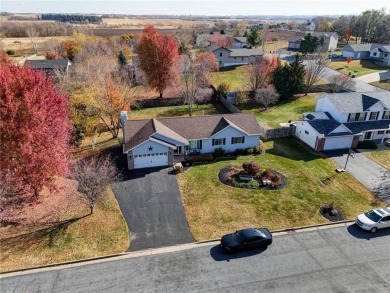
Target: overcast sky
199, 7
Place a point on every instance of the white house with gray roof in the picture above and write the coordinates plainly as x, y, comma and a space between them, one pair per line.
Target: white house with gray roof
359, 51
330, 40
156, 142
341, 120
381, 55
230, 57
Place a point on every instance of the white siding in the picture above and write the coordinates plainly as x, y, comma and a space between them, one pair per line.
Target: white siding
332, 43
324, 105
306, 133
228, 133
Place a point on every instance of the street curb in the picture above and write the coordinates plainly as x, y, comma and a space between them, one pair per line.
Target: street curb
161, 250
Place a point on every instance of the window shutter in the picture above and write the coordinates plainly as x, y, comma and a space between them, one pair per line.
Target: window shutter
377, 115
243, 139
349, 117
224, 141
232, 140
200, 145
365, 116
213, 142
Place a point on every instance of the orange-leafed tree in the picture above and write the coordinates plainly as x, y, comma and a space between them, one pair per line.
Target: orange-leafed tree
69, 49
158, 57
347, 34
35, 132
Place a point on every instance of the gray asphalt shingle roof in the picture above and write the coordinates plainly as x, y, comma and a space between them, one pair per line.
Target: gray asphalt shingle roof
358, 127
47, 64
245, 52
385, 49
357, 102
196, 127
361, 47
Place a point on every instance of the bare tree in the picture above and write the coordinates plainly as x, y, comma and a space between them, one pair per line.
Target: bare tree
32, 33
267, 96
341, 81
94, 174
315, 67
259, 72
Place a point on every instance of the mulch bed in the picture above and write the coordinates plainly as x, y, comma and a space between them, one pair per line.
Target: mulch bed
332, 213
226, 173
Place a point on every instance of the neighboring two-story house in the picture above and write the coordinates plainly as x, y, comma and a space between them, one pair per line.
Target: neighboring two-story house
239, 42
360, 51
330, 40
156, 142
341, 120
381, 55
229, 57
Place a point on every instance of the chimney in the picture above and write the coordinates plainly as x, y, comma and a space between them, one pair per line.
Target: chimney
123, 119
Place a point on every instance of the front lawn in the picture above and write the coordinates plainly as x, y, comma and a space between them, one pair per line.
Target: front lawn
213, 208
384, 84
59, 228
281, 112
381, 157
356, 67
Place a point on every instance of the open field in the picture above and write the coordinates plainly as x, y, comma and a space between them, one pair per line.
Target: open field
281, 112
157, 22
59, 228
355, 67
213, 208
381, 157
24, 46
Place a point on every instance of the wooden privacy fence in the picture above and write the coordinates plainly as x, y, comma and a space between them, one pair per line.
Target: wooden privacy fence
278, 132
229, 105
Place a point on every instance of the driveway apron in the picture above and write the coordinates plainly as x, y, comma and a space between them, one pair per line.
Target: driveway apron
151, 204
369, 173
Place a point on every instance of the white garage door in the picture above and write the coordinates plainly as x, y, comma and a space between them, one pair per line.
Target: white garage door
150, 160
334, 143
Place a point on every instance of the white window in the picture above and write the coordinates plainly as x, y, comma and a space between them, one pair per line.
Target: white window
386, 115
357, 116
374, 115
381, 132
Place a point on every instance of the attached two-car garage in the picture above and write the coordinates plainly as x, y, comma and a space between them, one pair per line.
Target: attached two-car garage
150, 160
333, 143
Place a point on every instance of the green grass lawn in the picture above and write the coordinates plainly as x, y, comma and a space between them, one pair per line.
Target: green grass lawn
281, 112
213, 208
356, 67
232, 75
384, 84
174, 111
381, 157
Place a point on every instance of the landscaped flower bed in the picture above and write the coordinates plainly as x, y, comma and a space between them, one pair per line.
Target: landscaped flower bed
251, 176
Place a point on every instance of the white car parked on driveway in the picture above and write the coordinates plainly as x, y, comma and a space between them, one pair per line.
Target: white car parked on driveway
374, 219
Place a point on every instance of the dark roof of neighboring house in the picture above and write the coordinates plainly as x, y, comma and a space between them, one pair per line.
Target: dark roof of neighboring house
212, 48
361, 47
357, 102
196, 127
324, 126
241, 39
47, 64
357, 127
316, 34
384, 49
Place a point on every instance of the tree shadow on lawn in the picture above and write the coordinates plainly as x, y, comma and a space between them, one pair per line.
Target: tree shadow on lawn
291, 148
217, 253
35, 233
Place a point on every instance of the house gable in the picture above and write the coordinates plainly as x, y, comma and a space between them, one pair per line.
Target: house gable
340, 129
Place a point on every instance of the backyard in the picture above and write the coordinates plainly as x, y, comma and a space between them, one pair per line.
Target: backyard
213, 208
381, 157
356, 67
282, 111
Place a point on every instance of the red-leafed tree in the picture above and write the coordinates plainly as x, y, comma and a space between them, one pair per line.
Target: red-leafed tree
158, 57
35, 131
260, 72
219, 40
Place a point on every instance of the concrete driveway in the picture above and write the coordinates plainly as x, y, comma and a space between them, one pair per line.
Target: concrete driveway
376, 76
151, 205
368, 172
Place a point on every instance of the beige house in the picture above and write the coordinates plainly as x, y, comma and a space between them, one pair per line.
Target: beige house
230, 57
330, 40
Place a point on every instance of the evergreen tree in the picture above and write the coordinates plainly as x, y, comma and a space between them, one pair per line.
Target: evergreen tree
254, 37
310, 44
122, 58
222, 32
290, 78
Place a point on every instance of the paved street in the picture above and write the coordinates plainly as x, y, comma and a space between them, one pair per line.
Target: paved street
344, 259
368, 172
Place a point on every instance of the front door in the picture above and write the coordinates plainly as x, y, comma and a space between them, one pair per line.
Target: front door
367, 135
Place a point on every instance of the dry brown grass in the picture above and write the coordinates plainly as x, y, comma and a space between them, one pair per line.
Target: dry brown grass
58, 228
381, 157
159, 23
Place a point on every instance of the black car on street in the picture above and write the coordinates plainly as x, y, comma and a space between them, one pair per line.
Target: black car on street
249, 238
